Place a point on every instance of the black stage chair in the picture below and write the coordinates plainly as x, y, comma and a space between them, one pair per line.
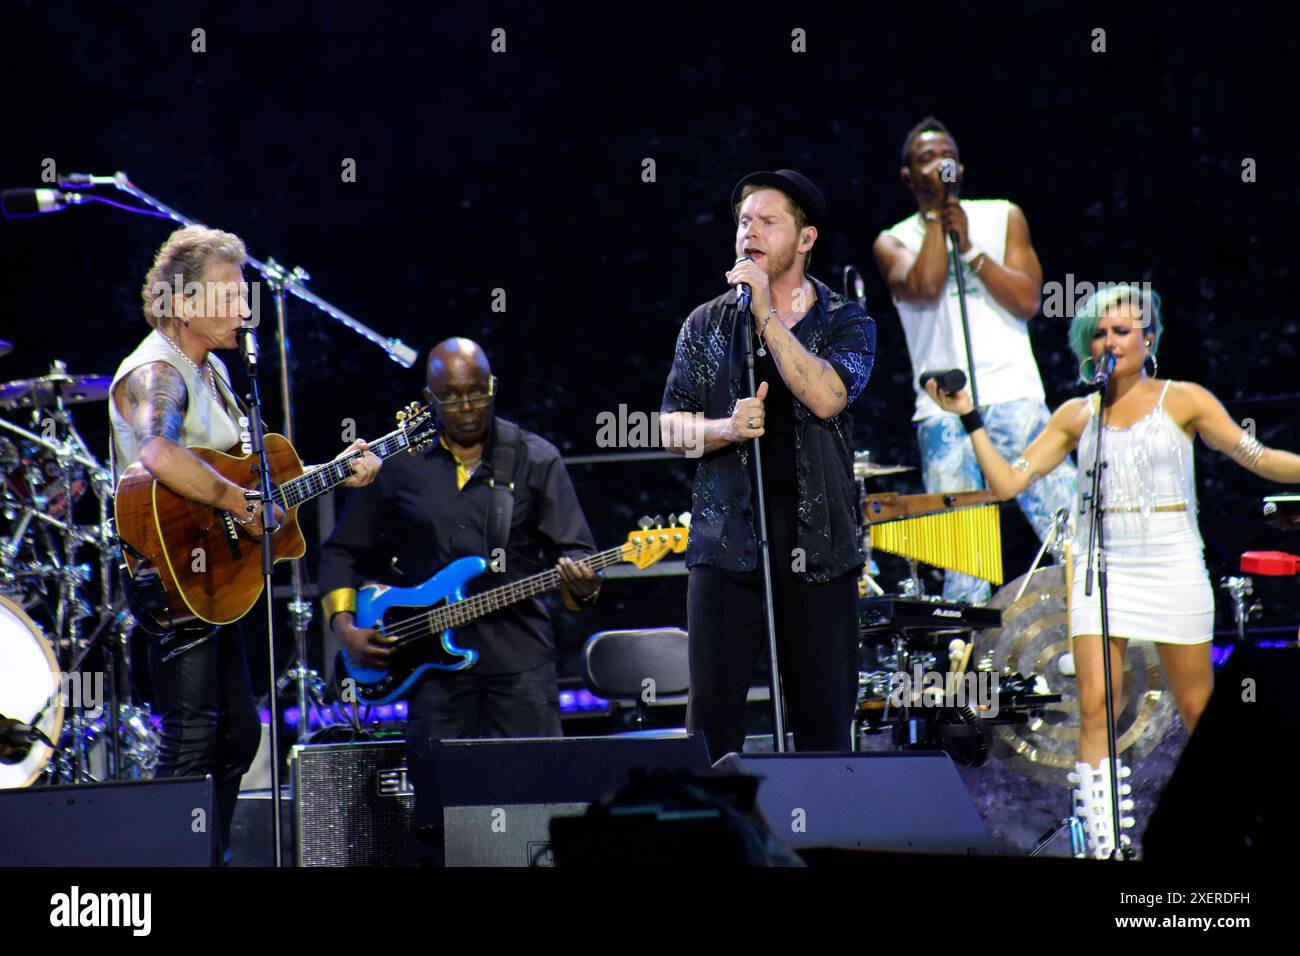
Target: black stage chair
637, 666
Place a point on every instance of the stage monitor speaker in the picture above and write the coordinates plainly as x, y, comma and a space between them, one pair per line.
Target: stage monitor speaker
492, 800
352, 803
910, 801
1228, 796
169, 822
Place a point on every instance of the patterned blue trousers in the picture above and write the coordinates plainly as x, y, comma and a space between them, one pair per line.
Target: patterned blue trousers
948, 462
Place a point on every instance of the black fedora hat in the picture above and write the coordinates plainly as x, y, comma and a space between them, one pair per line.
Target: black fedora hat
794, 184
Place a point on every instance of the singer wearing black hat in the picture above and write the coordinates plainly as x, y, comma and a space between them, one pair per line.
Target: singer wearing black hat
813, 351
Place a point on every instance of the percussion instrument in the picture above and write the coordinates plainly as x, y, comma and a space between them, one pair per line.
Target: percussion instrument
29, 687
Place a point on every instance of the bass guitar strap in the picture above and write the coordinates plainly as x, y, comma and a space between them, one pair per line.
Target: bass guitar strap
501, 500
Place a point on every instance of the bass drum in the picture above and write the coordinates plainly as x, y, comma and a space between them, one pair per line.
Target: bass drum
1033, 639
29, 681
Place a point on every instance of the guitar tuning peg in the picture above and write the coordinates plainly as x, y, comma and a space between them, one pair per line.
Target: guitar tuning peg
672, 521
659, 521
645, 522
401, 416
684, 519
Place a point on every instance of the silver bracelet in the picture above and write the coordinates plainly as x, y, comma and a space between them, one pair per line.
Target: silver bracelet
1248, 450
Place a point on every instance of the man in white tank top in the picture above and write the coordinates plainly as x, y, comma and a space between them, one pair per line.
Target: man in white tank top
172, 394
1003, 280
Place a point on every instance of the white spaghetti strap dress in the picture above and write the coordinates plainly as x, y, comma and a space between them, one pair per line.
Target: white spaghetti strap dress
1158, 588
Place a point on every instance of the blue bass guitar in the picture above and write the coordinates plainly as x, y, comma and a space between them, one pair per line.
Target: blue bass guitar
426, 639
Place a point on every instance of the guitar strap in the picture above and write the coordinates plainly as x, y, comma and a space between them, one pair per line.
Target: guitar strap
501, 493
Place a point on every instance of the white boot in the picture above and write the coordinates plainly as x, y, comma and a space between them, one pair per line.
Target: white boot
1092, 806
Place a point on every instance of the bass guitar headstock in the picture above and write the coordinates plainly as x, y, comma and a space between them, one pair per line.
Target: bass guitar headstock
653, 541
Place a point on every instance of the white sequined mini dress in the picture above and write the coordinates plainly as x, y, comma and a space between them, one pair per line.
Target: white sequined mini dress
1158, 588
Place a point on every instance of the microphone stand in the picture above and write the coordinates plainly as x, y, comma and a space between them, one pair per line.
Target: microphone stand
1096, 551
769, 605
959, 271
248, 348
300, 611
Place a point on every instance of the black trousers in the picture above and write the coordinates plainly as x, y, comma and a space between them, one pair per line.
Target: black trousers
459, 704
210, 723
817, 641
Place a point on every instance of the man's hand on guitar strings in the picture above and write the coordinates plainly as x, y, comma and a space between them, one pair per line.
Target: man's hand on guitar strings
581, 581
364, 469
367, 646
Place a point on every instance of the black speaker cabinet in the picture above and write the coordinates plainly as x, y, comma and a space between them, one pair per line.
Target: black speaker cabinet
490, 802
910, 801
1229, 795
170, 822
352, 803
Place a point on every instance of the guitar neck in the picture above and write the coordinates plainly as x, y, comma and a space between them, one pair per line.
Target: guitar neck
317, 481
472, 608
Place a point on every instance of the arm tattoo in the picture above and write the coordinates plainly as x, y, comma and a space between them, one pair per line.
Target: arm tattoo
835, 385
157, 398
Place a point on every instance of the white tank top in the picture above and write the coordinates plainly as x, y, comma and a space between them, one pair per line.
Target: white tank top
1148, 464
206, 423
1004, 360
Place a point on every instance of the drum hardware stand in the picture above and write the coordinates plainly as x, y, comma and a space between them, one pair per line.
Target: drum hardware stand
1055, 540
1240, 588
1097, 554
1071, 823
912, 586
111, 637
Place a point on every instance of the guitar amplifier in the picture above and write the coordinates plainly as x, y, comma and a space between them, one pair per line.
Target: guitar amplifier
352, 803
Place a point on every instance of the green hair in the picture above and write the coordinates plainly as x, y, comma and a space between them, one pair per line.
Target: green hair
1142, 297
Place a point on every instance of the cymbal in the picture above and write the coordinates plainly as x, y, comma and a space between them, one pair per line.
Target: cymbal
76, 389
1033, 639
5, 348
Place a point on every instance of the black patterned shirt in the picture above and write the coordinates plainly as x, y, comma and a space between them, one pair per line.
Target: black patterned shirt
708, 376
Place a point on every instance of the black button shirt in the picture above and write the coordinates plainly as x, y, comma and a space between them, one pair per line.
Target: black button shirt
707, 377
413, 521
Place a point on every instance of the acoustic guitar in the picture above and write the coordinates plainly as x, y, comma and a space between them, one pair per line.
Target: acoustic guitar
208, 570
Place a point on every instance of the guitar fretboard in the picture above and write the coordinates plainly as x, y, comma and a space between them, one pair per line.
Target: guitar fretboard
330, 475
463, 612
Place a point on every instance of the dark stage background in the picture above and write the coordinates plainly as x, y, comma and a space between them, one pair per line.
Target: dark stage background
523, 171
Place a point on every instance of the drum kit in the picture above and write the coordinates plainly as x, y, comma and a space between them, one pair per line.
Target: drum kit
1018, 639
65, 710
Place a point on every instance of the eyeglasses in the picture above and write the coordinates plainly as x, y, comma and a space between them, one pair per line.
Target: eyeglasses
476, 397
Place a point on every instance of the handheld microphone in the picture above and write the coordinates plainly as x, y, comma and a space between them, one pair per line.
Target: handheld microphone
26, 203
1105, 372
952, 381
744, 294
948, 173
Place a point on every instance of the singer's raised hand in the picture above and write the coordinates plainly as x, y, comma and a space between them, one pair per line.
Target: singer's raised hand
954, 220
752, 273
958, 404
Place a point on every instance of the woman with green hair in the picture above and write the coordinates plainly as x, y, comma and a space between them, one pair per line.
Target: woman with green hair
1158, 589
